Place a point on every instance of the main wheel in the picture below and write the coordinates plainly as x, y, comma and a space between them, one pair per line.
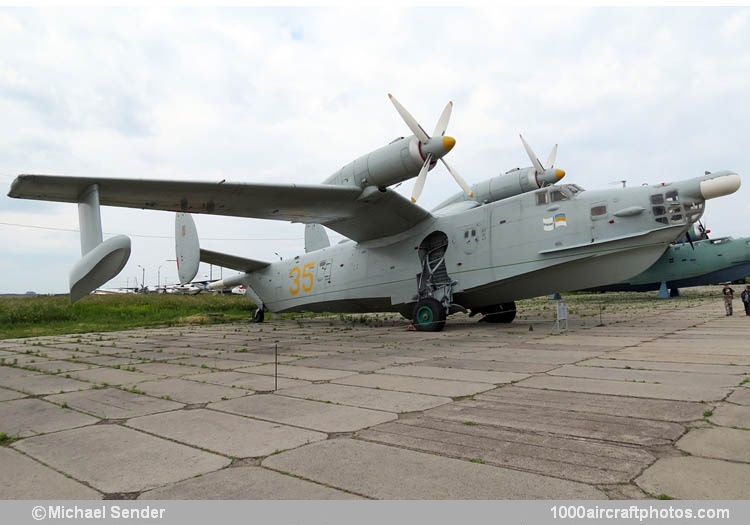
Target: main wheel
259, 315
429, 315
501, 313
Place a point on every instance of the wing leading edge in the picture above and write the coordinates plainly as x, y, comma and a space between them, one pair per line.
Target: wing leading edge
360, 216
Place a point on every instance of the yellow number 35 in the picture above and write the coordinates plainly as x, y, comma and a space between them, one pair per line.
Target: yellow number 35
303, 279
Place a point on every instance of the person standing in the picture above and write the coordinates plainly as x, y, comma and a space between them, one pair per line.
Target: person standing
745, 295
728, 296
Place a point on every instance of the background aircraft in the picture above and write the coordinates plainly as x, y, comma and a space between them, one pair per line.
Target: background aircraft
476, 255
698, 263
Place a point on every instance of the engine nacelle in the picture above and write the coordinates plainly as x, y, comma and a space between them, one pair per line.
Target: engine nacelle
398, 161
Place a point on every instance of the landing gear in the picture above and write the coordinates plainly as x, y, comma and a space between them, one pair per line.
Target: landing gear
259, 315
499, 313
429, 315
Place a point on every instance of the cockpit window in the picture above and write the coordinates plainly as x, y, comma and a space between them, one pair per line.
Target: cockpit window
671, 196
657, 199
557, 196
542, 198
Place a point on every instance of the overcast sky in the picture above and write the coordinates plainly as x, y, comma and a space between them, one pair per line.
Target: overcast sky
645, 95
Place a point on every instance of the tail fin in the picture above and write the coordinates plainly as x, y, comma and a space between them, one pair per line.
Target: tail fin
100, 260
316, 238
187, 247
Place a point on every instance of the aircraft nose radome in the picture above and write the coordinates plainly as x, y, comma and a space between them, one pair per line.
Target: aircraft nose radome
559, 173
448, 143
720, 186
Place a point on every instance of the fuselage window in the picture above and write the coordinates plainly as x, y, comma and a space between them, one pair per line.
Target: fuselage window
596, 211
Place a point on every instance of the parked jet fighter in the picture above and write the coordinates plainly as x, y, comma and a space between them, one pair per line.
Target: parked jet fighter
476, 255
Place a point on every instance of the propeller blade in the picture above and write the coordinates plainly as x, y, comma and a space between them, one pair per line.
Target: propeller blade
442, 123
532, 156
687, 234
552, 157
461, 182
421, 178
414, 126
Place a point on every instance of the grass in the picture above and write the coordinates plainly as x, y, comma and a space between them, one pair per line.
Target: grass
54, 315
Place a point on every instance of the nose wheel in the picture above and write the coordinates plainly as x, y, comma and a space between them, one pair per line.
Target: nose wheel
429, 315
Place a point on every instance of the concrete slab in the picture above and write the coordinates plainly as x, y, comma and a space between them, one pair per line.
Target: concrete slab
304, 373
58, 366
389, 401
696, 478
115, 459
6, 395
719, 443
29, 417
621, 388
325, 417
652, 409
190, 392
456, 374
112, 403
170, 369
557, 455
252, 382
419, 385
42, 384
22, 478
684, 379
112, 376
352, 364
741, 396
732, 416
604, 427
667, 367
226, 434
384, 472
245, 483
496, 365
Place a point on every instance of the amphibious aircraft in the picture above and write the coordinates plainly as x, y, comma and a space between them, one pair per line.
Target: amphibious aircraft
694, 263
511, 237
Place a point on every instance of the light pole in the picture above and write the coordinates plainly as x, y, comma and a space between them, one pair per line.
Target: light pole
143, 277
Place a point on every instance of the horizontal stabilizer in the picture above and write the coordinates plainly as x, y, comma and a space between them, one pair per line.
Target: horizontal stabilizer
232, 262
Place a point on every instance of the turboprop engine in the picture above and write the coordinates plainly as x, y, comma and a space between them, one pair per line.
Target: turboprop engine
402, 159
513, 182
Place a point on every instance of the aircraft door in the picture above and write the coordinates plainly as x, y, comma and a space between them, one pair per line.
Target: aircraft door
324, 271
599, 217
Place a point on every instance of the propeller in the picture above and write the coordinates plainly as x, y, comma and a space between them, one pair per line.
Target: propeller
433, 148
548, 175
703, 231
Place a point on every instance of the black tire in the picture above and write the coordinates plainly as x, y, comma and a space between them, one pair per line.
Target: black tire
501, 313
259, 315
429, 315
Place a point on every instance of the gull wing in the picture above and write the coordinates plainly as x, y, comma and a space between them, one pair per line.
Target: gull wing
360, 216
